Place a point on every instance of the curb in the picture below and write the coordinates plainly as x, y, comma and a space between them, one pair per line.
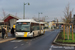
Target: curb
61, 43
7, 40
64, 44
56, 38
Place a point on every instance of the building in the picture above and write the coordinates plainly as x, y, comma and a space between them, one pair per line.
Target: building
10, 20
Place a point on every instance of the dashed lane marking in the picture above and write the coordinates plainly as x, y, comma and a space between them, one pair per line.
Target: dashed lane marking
15, 47
16, 41
22, 44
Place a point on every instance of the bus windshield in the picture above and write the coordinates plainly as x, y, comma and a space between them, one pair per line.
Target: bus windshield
22, 27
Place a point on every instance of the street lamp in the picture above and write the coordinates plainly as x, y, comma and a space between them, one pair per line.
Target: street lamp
39, 15
45, 17
24, 10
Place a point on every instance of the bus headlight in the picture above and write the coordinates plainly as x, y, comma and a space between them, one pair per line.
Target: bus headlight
16, 33
28, 32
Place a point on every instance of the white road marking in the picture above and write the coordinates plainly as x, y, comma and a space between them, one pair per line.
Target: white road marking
51, 46
68, 47
16, 41
61, 47
15, 47
50, 49
22, 44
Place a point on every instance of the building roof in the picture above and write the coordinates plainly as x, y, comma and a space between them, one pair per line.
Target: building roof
59, 22
9, 16
42, 22
25, 20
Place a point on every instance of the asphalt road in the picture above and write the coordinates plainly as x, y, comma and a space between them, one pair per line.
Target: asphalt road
43, 42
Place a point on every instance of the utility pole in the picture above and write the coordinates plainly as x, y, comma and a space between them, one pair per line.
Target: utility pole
24, 10
4, 15
39, 16
45, 18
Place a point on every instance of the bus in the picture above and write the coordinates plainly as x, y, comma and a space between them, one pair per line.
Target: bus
42, 25
27, 28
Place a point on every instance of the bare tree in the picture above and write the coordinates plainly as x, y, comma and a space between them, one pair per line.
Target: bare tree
67, 18
67, 14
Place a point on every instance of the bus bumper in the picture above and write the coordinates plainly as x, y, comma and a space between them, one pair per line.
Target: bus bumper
24, 34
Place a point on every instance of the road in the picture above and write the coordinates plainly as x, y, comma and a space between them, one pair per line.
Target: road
43, 42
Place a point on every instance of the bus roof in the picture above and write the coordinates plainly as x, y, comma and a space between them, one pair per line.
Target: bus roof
42, 22
25, 20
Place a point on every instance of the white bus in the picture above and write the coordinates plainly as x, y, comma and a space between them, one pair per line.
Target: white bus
27, 28
42, 25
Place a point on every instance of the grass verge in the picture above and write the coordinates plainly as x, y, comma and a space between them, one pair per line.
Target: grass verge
60, 38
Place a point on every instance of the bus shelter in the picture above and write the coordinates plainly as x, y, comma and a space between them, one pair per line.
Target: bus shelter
10, 20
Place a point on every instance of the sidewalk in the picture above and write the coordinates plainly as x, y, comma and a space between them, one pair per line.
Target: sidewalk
10, 37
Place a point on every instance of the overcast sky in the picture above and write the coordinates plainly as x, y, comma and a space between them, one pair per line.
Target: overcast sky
51, 8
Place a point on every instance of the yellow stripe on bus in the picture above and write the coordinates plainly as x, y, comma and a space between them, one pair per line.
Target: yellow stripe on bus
25, 34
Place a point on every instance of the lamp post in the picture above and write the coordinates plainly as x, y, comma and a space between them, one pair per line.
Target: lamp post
24, 10
45, 17
39, 15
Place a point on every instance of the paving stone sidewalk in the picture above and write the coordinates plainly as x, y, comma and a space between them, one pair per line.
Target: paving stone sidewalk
10, 37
